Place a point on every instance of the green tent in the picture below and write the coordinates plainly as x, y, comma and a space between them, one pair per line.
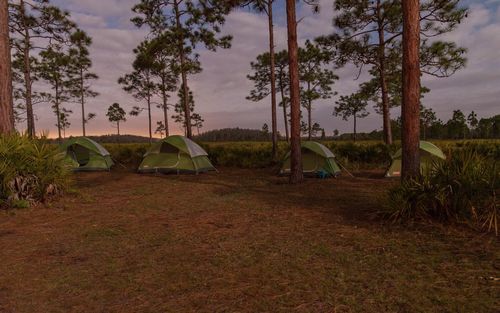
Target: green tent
176, 154
428, 154
84, 154
316, 160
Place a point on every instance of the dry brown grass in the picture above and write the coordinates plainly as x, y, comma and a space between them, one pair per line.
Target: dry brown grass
237, 241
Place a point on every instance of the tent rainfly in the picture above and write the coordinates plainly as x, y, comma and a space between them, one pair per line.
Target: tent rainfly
316, 159
429, 153
176, 154
84, 154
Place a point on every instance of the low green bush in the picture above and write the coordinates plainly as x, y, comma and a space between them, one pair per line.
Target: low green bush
251, 154
463, 188
129, 154
244, 154
365, 155
31, 171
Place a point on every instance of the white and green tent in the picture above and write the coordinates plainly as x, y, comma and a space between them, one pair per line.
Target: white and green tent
176, 154
428, 153
316, 159
84, 154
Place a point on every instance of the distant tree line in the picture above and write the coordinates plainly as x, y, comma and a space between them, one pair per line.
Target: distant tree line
459, 126
235, 134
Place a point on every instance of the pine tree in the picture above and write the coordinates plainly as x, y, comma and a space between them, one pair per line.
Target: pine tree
116, 115
283, 79
427, 118
56, 69
316, 79
296, 174
180, 116
261, 78
160, 128
410, 109
353, 106
82, 63
35, 25
473, 122
139, 83
197, 122
266, 6
165, 70
6, 102
64, 122
457, 125
190, 23
370, 35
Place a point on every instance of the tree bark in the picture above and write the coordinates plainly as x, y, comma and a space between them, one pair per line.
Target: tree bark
118, 127
82, 101
309, 112
30, 119
296, 174
274, 126
149, 121
165, 107
58, 111
149, 117
182, 57
6, 103
386, 114
354, 126
285, 116
410, 111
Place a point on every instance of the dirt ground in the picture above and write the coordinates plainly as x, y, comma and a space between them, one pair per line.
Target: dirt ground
236, 241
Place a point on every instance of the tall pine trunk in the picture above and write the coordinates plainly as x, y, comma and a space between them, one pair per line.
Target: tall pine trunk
355, 131
149, 120
6, 109
118, 127
182, 57
296, 175
274, 126
148, 99
165, 106
82, 102
386, 114
309, 112
410, 111
58, 111
285, 115
30, 119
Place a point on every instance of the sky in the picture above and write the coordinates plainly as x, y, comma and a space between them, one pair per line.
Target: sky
221, 88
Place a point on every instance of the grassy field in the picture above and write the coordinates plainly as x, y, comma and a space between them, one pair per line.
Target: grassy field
251, 154
237, 241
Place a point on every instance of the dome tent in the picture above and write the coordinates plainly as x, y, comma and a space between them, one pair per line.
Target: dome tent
176, 154
428, 154
316, 158
84, 154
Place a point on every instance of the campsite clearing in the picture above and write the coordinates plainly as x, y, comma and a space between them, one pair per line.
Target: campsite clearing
237, 241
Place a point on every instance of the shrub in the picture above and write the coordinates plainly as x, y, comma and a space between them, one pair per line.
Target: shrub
355, 155
30, 171
464, 188
129, 155
252, 154
243, 154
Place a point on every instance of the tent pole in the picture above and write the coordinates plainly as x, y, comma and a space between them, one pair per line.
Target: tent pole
342, 166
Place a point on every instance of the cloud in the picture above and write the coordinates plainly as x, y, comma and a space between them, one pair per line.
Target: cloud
476, 86
221, 88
